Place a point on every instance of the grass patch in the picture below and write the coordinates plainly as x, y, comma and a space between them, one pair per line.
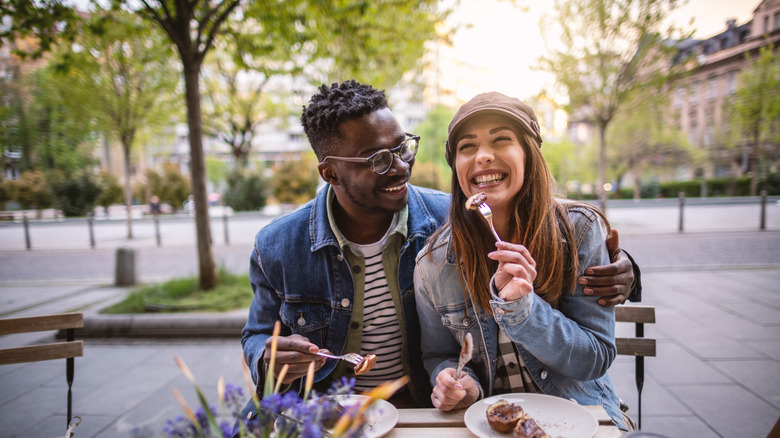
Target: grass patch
182, 295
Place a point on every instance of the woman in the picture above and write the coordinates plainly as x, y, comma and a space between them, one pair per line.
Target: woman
533, 328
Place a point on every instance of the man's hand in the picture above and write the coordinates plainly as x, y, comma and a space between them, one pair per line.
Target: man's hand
449, 394
296, 352
612, 282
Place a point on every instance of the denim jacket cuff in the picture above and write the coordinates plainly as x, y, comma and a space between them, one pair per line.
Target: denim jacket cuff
510, 312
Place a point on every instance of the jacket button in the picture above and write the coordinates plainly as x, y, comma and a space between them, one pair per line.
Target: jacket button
499, 311
465, 321
544, 374
345, 302
356, 269
340, 257
301, 321
354, 325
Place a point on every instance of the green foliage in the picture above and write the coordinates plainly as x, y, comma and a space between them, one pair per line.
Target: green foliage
183, 295
49, 21
31, 190
172, 186
75, 195
295, 181
245, 191
111, 192
217, 171
431, 175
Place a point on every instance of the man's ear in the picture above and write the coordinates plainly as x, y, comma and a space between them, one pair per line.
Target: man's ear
327, 174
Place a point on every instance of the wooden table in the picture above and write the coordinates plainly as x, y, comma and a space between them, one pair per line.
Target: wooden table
431, 423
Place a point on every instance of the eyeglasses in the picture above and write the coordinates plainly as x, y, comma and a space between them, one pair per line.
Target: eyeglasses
381, 161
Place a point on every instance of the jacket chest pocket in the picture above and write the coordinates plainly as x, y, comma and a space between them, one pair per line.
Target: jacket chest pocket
307, 319
457, 319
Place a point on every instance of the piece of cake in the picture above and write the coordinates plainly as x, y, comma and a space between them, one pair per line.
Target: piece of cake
503, 416
366, 364
473, 202
527, 427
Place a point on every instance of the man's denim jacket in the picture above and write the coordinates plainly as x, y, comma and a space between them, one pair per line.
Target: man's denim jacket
300, 276
567, 350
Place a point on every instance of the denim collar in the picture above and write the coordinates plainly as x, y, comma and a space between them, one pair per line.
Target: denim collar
419, 220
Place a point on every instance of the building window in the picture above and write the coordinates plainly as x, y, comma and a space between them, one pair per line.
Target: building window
694, 97
766, 23
731, 83
712, 88
679, 97
777, 20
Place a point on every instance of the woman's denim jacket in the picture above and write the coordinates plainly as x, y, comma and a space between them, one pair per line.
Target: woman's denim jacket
567, 350
300, 276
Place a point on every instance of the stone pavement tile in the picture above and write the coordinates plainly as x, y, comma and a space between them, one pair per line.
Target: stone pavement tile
760, 313
760, 376
151, 415
656, 400
677, 426
729, 409
738, 327
20, 378
54, 426
769, 348
124, 392
675, 365
16, 298
33, 406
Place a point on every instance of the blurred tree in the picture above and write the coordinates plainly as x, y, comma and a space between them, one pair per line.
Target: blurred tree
562, 160
755, 110
75, 194
31, 190
606, 48
217, 171
120, 68
111, 192
644, 136
172, 186
431, 169
246, 191
295, 181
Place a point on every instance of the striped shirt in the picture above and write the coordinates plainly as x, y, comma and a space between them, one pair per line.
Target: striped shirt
381, 329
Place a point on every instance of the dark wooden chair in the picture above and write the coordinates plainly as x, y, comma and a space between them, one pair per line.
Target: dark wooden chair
638, 346
55, 350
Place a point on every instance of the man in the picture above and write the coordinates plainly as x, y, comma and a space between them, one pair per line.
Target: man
338, 272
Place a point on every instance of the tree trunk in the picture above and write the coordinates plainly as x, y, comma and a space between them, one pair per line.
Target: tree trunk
637, 185
753, 163
207, 267
602, 178
128, 191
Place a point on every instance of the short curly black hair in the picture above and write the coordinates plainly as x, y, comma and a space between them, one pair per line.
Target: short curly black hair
334, 105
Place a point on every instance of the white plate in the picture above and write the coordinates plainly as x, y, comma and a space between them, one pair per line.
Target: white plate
557, 416
381, 417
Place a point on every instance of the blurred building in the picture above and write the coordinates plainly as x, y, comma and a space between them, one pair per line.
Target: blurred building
700, 99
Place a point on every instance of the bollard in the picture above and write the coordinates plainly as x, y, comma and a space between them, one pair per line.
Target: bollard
90, 224
26, 231
225, 223
762, 221
157, 229
125, 267
682, 204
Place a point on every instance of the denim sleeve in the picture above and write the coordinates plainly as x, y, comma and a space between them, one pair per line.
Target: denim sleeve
263, 312
578, 339
440, 349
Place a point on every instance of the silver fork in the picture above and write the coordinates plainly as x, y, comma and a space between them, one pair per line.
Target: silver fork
487, 213
352, 358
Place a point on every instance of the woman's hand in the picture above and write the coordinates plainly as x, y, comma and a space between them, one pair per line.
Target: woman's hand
449, 394
516, 270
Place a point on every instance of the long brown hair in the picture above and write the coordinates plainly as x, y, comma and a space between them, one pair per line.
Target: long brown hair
539, 222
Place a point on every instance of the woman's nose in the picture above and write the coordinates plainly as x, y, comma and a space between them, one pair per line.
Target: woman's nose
484, 156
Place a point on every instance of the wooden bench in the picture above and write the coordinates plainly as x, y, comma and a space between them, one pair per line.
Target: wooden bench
638, 346
56, 350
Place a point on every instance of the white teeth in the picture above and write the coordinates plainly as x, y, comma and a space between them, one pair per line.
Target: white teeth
487, 179
395, 189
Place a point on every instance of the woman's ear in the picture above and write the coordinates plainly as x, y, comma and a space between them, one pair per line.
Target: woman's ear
327, 174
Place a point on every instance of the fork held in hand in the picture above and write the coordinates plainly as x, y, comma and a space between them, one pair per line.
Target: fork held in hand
487, 213
352, 358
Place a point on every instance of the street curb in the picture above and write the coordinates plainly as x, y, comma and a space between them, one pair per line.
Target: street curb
183, 325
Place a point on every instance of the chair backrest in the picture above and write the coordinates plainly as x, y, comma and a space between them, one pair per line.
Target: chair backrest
638, 346
55, 350
33, 353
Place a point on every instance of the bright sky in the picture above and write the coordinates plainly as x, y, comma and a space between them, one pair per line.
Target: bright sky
507, 38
